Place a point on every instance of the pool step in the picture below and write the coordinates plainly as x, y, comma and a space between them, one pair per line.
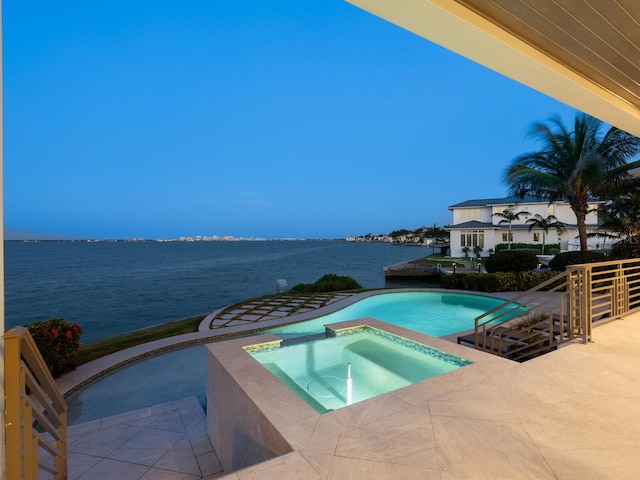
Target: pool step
302, 339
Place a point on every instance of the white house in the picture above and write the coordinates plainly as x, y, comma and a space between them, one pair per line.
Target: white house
474, 223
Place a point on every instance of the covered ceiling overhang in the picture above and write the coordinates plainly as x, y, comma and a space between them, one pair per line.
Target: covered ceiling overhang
585, 53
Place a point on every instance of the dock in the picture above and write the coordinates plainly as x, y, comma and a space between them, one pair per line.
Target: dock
411, 270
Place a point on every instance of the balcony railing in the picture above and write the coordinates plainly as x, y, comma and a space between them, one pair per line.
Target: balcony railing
36, 414
560, 309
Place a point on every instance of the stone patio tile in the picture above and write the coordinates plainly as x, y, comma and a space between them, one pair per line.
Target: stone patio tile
108, 469
480, 449
404, 438
355, 469
101, 443
170, 421
291, 466
159, 474
180, 458
320, 455
476, 400
79, 464
209, 464
361, 413
594, 464
147, 447
235, 323
247, 317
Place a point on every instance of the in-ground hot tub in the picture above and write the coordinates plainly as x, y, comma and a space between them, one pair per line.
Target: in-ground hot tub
355, 364
253, 416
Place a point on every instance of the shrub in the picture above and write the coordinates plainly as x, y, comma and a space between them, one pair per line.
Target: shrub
58, 342
497, 282
511, 261
521, 281
485, 282
454, 281
533, 247
327, 283
562, 260
625, 249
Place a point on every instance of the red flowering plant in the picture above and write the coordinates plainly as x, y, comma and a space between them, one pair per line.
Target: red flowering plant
58, 342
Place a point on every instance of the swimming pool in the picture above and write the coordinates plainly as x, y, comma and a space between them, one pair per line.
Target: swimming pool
181, 373
432, 313
356, 364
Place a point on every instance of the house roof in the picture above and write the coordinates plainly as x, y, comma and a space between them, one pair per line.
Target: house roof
476, 225
512, 200
473, 224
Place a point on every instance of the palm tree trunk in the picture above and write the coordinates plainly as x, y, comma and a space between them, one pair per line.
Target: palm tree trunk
580, 206
582, 231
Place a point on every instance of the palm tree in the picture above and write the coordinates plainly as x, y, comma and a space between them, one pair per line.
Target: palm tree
574, 166
545, 224
509, 216
620, 217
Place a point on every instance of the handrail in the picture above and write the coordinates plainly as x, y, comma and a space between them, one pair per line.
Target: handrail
565, 306
36, 413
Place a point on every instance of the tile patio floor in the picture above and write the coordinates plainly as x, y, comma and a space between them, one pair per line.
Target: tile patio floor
167, 441
571, 414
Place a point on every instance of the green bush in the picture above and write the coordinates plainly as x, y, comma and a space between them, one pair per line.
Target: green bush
454, 281
497, 282
523, 281
533, 247
58, 342
485, 282
327, 283
625, 249
560, 262
511, 261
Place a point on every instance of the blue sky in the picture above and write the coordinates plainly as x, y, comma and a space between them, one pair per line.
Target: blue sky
313, 119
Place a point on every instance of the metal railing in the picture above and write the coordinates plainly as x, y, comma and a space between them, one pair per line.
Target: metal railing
36, 414
560, 309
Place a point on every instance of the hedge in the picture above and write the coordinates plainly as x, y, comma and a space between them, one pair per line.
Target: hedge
562, 260
511, 261
497, 282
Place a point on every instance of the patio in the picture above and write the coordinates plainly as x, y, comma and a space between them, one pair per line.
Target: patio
573, 413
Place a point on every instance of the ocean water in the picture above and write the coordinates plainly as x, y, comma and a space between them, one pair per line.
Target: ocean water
114, 287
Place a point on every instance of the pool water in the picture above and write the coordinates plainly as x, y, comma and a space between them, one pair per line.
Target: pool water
338, 371
432, 313
158, 379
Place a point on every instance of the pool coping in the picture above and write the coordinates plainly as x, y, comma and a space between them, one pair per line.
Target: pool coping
90, 371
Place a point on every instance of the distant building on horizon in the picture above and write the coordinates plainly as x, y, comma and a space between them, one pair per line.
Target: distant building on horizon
474, 224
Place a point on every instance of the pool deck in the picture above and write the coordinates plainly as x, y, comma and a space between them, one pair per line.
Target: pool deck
572, 413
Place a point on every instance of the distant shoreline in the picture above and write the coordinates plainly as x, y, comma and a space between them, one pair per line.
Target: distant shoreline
185, 240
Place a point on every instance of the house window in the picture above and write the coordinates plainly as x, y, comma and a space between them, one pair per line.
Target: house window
536, 237
472, 239
505, 237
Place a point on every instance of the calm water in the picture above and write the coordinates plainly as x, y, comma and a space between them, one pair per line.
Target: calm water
114, 287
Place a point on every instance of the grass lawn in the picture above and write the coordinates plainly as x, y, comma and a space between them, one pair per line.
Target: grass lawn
441, 259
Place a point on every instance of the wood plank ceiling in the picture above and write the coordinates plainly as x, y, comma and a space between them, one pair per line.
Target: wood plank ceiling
597, 39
